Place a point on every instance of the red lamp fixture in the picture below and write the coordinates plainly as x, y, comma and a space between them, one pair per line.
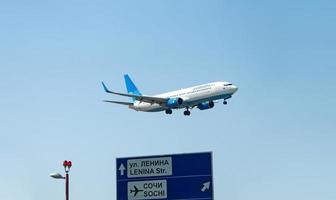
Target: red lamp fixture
67, 165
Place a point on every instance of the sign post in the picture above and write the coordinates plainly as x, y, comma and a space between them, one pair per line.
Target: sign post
177, 176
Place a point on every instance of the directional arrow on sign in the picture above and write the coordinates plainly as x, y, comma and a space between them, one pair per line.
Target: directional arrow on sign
206, 186
122, 169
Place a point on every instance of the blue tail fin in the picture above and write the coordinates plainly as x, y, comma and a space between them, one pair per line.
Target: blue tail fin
131, 88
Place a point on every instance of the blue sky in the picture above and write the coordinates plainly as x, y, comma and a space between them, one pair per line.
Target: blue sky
274, 140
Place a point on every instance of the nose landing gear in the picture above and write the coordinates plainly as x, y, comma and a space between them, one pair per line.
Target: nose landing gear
224, 102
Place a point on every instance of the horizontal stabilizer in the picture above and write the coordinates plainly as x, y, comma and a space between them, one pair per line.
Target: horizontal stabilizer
119, 102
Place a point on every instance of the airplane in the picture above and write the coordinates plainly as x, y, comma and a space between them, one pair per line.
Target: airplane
202, 97
136, 190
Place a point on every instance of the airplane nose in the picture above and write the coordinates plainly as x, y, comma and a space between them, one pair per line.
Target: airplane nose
235, 88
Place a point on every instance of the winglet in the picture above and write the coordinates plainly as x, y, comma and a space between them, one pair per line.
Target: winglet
105, 88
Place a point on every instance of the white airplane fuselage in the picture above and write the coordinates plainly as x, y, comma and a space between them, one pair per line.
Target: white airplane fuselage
191, 96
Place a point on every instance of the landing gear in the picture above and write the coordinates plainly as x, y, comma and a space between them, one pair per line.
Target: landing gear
169, 111
225, 102
187, 112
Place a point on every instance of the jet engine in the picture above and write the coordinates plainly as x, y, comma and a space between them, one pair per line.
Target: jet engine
174, 102
206, 105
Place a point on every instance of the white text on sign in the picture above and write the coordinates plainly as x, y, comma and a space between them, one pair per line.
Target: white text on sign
148, 167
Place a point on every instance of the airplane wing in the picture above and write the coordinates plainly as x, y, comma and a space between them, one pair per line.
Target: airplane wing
119, 102
143, 98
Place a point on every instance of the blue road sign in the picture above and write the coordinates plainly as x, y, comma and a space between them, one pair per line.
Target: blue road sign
171, 177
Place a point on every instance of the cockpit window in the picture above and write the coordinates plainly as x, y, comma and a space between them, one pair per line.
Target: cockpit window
227, 84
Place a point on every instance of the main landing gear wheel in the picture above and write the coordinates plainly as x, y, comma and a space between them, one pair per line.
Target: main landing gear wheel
224, 102
169, 111
187, 113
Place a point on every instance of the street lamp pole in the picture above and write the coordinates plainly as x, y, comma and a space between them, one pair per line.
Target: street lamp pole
67, 186
67, 165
